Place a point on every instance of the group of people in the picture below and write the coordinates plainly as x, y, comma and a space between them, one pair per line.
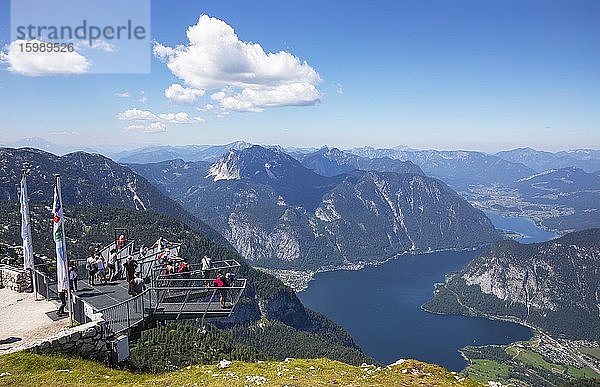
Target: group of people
102, 271
97, 268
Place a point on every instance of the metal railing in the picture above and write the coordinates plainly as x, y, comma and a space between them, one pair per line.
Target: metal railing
45, 285
197, 297
127, 314
175, 299
229, 266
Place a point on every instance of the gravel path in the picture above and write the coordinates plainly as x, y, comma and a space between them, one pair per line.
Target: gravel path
23, 320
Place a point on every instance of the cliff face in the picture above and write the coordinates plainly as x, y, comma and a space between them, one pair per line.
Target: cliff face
554, 285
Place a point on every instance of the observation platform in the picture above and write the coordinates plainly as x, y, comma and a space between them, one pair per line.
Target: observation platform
174, 296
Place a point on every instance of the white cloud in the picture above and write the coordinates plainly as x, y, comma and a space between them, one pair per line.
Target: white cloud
339, 88
182, 95
179, 118
149, 122
36, 64
63, 133
249, 79
256, 100
143, 97
137, 115
97, 44
155, 127
124, 94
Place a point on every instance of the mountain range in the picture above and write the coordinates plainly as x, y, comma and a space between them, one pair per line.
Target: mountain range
280, 214
539, 161
100, 195
156, 153
459, 169
332, 161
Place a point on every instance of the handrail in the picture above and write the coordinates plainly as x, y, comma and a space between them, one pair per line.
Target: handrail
122, 302
224, 264
198, 287
116, 317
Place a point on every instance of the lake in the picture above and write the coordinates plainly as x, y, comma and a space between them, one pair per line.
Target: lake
523, 226
380, 307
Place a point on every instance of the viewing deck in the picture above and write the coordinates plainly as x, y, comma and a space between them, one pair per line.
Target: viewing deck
172, 296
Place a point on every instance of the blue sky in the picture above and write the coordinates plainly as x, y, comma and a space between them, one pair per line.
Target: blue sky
484, 75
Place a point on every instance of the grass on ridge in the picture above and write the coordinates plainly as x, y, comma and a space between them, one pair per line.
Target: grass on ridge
26, 369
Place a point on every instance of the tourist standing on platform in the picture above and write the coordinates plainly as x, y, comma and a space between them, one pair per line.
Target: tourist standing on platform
222, 283
162, 243
112, 264
63, 302
130, 267
206, 267
169, 269
73, 276
184, 268
91, 268
121, 242
137, 285
101, 269
143, 251
164, 257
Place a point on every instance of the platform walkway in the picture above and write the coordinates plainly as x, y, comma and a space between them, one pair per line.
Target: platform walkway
167, 296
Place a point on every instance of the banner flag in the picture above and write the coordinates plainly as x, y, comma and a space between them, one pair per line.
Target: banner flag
61, 256
28, 262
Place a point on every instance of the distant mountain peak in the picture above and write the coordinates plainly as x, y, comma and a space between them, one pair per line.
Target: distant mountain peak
252, 162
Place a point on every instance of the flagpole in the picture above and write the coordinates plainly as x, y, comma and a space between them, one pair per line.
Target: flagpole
27, 220
64, 244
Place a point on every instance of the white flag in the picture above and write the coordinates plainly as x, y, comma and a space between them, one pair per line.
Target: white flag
61, 256
26, 227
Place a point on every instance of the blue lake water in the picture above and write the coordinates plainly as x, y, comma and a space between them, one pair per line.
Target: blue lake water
524, 226
380, 307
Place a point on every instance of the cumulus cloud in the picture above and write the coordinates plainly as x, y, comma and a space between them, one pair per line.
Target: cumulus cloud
182, 95
37, 64
254, 100
124, 94
242, 75
155, 127
149, 122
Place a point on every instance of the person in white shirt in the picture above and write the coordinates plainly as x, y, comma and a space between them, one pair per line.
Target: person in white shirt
91, 268
101, 269
206, 266
73, 277
112, 262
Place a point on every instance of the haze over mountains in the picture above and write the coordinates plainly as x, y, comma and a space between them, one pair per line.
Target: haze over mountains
331, 162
